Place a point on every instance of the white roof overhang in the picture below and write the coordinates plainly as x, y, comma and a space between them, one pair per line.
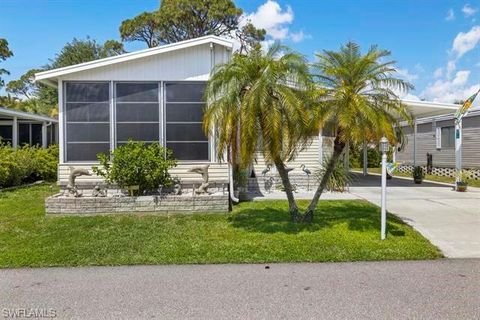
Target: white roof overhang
425, 109
50, 77
9, 113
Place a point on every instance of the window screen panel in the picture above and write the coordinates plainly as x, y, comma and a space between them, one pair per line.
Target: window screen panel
86, 151
89, 111
185, 132
137, 112
187, 112
36, 134
24, 134
6, 134
88, 132
87, 92
87, 116
189, 151
137, 131
137, 92
185, 92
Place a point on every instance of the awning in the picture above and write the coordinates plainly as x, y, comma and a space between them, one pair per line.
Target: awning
425, 109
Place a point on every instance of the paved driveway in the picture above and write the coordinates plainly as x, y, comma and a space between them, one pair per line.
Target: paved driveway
449, 219
440, 289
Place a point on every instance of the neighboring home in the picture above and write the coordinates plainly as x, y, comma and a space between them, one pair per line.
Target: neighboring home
151, 95
19, 128
434, 138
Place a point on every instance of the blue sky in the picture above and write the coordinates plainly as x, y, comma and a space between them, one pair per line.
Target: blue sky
434, 42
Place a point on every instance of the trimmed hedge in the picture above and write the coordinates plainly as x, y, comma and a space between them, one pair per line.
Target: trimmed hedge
27, 164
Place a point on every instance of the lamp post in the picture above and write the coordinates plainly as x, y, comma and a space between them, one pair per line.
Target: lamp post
384, 145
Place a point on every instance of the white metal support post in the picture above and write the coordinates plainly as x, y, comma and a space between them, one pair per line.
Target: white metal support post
415, 143
15, 133
44, 134
458, 148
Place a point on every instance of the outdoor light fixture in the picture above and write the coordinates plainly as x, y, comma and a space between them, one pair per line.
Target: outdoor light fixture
384, 146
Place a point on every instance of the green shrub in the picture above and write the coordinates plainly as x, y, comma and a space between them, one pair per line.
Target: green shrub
340, 178
137, 164
27, 164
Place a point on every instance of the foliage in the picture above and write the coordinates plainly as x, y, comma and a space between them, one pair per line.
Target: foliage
27, 164
240, 177
255, 232
137, 164
40, 98
339, 179
4, 54
359, 97
266, 95
356, 156
178, 20
465, 175
418, 173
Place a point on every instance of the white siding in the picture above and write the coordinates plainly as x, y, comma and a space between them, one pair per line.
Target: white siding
192, 63
217, 172
309, 157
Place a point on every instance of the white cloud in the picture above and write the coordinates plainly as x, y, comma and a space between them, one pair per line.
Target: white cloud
271, 17
450, 15
466, 41
438, 73
405, 74
451, 66
298, 36
445, 90
468, 10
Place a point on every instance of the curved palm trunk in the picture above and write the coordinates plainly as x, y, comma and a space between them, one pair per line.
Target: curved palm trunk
288, 188
338, 147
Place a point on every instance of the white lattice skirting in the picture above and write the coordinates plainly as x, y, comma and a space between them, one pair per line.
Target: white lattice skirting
444, 172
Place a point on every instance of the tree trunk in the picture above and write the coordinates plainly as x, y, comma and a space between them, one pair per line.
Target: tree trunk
338, 147
288, 188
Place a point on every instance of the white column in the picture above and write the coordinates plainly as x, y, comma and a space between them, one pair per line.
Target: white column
394, 154
61, 124
415, 143
365, 159
458, 148
15, 133
44, 134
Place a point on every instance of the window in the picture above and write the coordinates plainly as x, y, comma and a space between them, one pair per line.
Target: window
87, 118
183, 115
137, 112
6, 134
448, 137
30, 134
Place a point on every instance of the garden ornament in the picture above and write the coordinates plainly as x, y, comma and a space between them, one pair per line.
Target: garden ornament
308, 173
71, 186
98, 192
177, 187
203, 170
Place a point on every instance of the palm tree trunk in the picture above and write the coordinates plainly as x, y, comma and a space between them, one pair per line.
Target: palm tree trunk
338, 147
288, 188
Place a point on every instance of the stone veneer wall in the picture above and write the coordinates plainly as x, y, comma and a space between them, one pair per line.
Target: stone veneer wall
444, 172
59, 204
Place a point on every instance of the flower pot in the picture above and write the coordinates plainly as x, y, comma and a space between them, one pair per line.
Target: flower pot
418, 181
461, 186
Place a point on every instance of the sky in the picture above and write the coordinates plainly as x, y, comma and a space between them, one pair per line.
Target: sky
435, 43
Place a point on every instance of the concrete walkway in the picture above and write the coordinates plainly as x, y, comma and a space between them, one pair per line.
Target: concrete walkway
449, 219
440, 289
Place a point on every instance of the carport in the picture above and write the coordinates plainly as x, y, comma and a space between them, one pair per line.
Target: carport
24, 128
424, 110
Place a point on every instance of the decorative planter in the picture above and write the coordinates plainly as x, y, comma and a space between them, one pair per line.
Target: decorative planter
418, 181
461, 186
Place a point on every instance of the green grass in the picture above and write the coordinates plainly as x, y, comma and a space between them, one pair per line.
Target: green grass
431, 177
255, 232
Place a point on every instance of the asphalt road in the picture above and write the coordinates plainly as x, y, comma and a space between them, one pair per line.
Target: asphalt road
441, 289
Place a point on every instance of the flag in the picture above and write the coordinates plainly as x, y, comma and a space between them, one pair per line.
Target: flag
466, 105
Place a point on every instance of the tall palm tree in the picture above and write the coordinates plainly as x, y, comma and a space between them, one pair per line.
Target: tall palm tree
360, 99
260, 102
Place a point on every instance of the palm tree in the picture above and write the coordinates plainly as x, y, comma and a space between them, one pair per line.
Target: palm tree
260, 102
360, 99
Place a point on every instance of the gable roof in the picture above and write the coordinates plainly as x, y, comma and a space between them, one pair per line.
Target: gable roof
49, 76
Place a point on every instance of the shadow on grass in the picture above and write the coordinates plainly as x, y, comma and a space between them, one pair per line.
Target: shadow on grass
357, 217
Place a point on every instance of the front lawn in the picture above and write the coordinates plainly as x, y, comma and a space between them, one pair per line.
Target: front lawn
255, 232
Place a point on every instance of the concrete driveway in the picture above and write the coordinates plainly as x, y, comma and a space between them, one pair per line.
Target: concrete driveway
449, 219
